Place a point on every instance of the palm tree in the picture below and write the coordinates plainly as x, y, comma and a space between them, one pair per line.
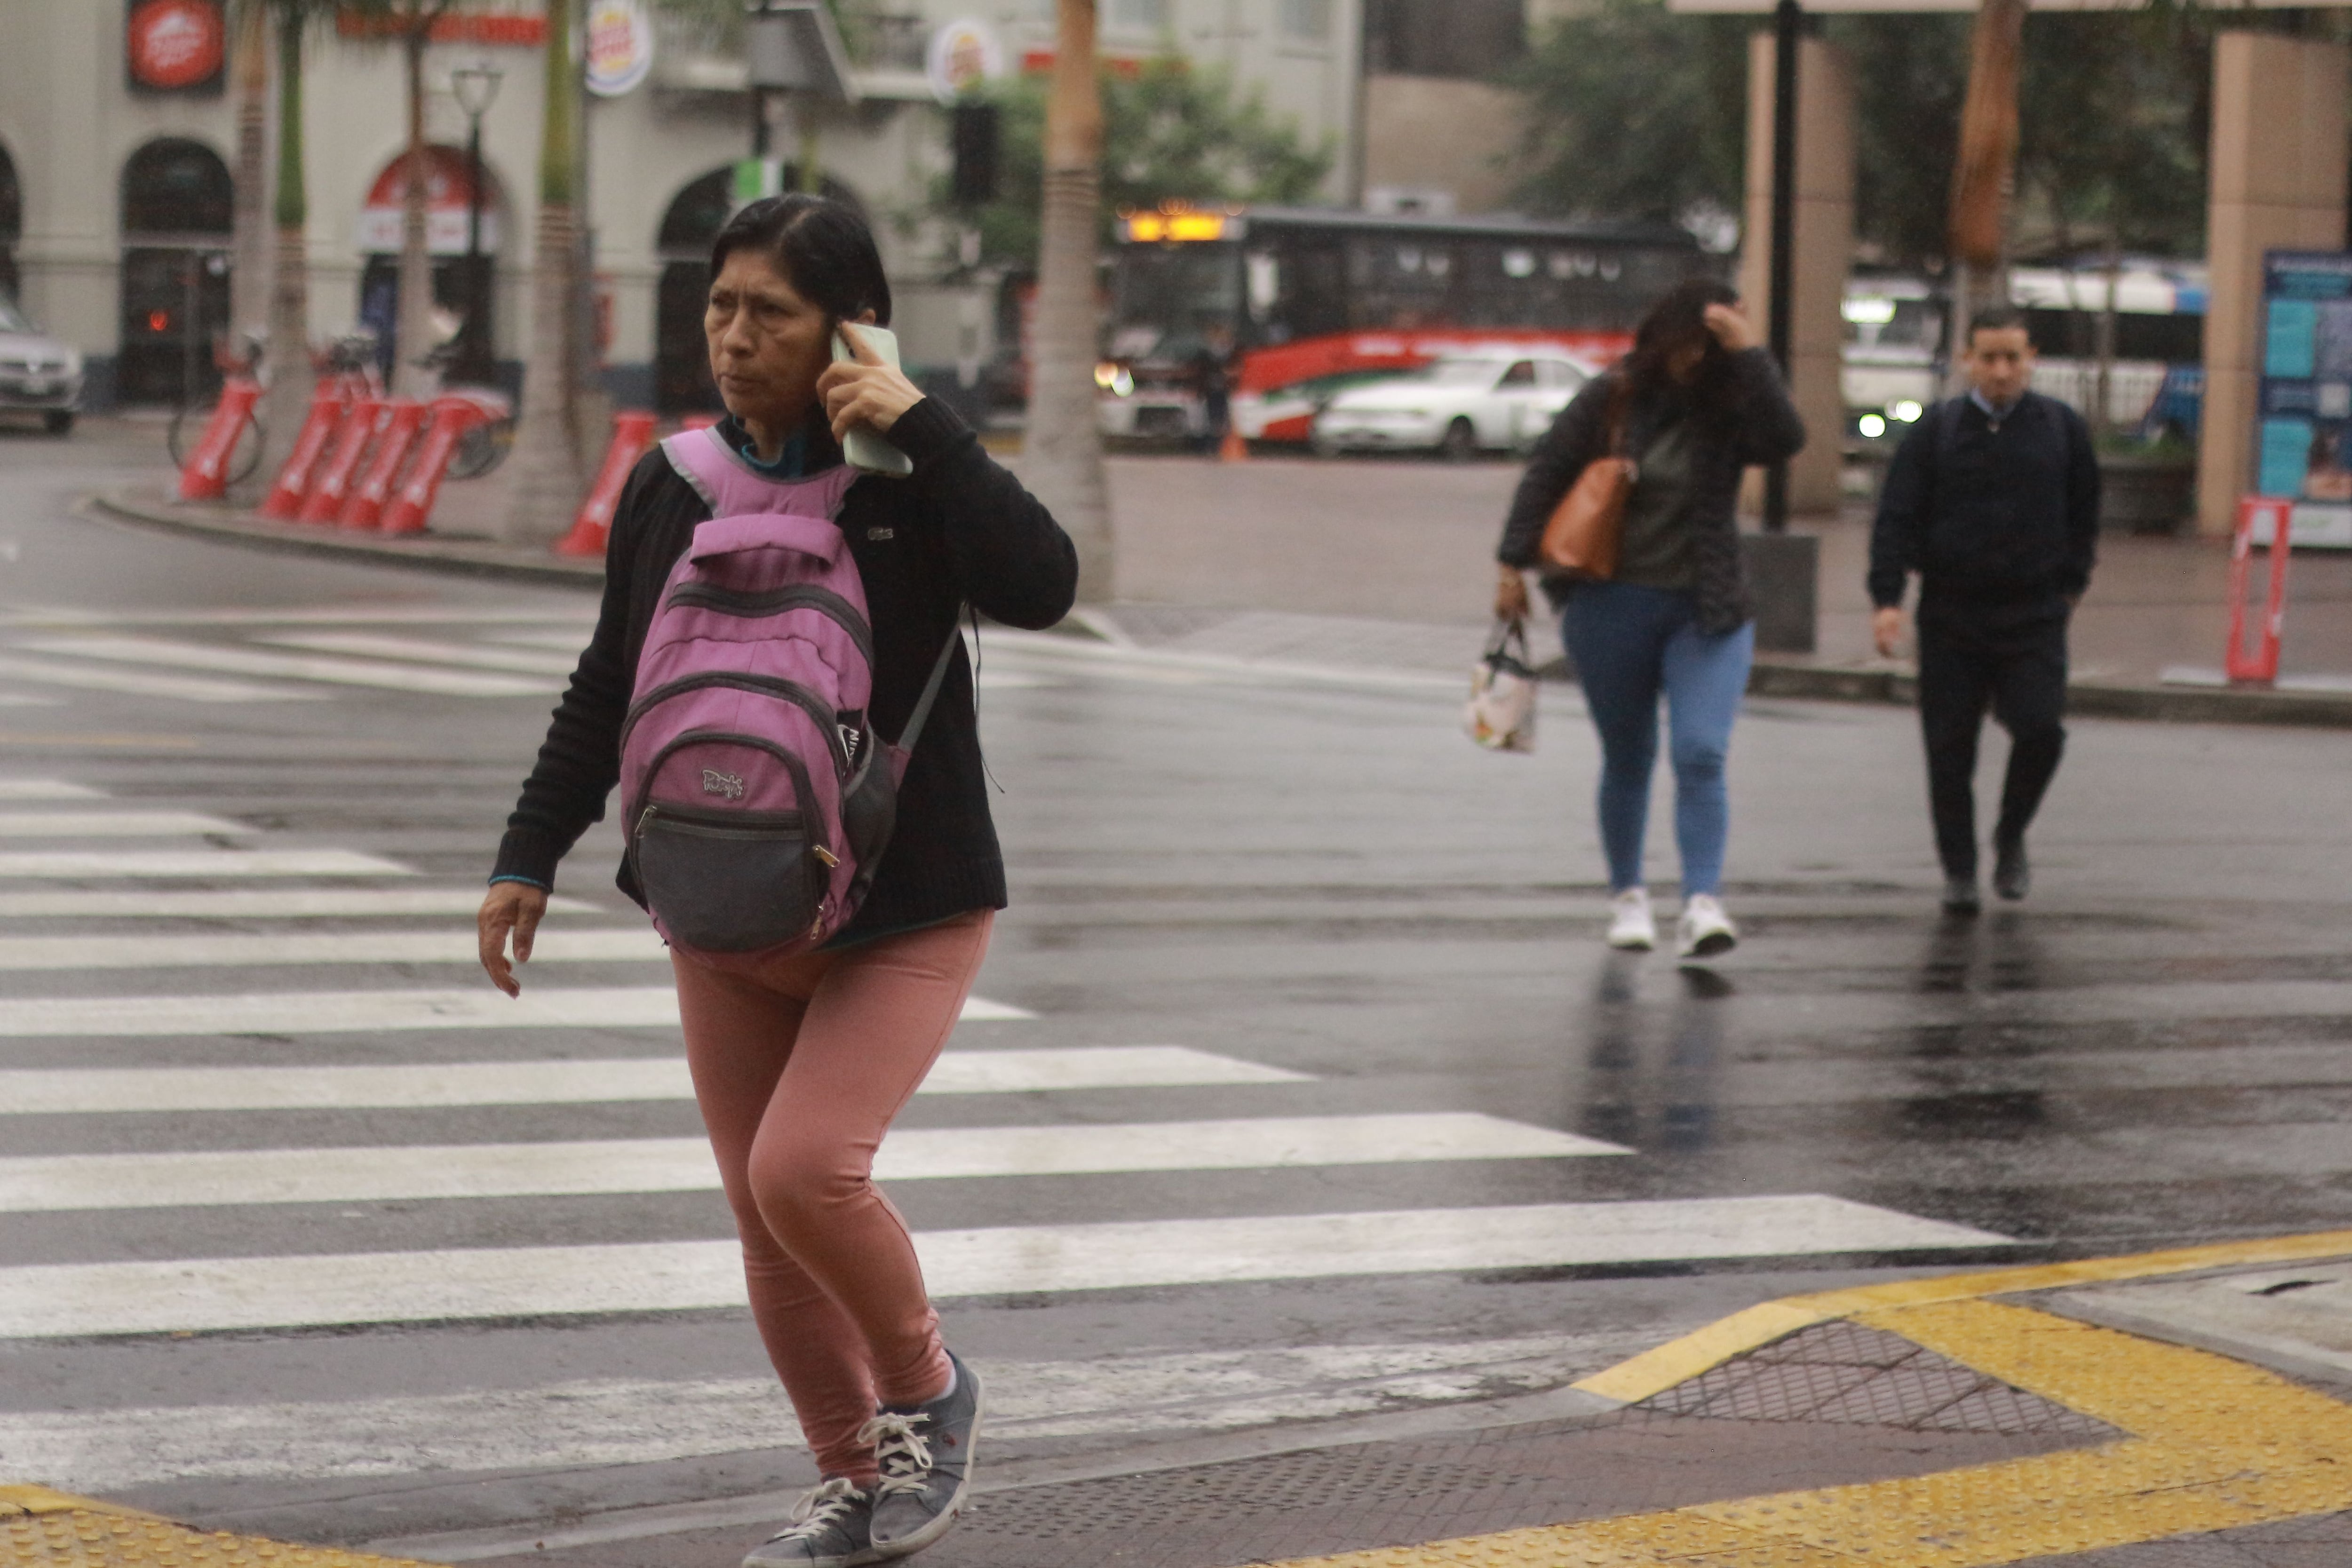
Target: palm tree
249, 259
411, 22
1062, 455
289, 352
547, 481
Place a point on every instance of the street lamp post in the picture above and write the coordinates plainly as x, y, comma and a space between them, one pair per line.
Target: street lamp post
476, 88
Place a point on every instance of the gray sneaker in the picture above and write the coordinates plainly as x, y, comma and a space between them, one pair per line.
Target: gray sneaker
926, 1459
830, 1527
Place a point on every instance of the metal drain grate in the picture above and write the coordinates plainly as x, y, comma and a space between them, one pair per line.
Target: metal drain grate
1844, 1373
1320, 1478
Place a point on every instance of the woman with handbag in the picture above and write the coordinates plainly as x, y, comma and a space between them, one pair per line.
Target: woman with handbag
1626, 511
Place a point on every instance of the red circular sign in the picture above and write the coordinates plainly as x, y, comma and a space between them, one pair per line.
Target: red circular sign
175, 43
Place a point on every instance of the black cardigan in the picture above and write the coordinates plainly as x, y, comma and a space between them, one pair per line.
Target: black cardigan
1986, 511
1766, 430
959, 528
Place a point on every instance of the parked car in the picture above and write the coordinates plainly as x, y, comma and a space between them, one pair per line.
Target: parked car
38, 374
1460, 406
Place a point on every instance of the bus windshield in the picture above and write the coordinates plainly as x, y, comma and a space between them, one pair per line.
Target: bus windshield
1169, 296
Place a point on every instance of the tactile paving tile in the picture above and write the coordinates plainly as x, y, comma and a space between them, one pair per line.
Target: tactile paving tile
1844, 1372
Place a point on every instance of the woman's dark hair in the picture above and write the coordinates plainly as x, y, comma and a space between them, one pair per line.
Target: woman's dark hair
821, 246
1676, 325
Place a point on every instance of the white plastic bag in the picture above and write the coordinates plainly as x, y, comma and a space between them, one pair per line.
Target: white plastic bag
1501, 712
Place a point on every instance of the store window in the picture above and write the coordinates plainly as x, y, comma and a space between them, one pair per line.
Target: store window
174, 288
463, 289
1473, 38
1307, 20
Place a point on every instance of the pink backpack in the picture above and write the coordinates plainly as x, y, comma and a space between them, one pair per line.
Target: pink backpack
757, 798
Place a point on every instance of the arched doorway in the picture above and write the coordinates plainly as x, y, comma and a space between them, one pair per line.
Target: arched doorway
459, 291
696, 215
12, 225
175, 260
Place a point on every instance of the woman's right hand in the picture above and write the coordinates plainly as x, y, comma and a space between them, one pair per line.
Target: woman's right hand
509, 907
1510, 595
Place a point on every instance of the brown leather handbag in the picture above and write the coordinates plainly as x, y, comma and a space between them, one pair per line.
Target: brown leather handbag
1587, 527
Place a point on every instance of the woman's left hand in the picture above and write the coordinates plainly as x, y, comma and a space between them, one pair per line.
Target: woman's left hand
1731, 328
867, 391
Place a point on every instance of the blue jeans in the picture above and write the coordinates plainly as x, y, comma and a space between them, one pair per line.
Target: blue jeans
1629, 644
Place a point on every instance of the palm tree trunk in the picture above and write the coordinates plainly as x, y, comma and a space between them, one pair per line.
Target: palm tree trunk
414, 337
1062, 455
289, 355
249, 260
1984, 171
546, 462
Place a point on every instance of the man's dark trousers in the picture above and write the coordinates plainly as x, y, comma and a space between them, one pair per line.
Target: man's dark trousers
2010, 658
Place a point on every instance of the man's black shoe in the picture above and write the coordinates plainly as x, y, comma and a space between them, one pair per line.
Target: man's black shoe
2012, 876
1960, 895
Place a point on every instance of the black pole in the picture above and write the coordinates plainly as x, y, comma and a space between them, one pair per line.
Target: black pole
476, 344
758, 122
1788, 27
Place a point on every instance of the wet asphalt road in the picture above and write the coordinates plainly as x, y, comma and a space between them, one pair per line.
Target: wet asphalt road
1321, 878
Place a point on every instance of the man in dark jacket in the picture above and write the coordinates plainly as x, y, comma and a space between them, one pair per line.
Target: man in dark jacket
1993, 498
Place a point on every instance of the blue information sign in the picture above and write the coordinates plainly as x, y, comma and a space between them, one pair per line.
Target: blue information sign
2303, 445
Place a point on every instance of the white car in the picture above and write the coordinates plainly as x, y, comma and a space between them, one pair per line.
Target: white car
38, 374
1458, 406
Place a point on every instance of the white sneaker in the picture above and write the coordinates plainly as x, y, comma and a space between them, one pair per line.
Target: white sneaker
1631, 925
1706, 930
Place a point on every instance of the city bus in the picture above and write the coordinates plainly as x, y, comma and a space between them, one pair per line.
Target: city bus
1295, 304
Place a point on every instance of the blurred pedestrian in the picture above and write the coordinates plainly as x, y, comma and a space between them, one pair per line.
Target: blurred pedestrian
801, 1063
1696, 401
1993, 500
1212, 369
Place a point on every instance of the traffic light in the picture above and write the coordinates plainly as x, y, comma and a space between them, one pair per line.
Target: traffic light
973, 137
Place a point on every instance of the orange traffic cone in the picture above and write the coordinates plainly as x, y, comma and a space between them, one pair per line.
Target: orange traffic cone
1232, 449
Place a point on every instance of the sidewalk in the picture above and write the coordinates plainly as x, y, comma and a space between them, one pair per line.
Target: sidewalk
1390, 562
2170, 1410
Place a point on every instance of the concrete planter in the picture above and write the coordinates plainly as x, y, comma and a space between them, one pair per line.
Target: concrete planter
2147, 495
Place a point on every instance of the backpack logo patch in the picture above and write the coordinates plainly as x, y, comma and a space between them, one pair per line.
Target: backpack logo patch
727, 785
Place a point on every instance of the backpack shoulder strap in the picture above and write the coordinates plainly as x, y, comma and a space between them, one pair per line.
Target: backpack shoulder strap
729, 487
914, 727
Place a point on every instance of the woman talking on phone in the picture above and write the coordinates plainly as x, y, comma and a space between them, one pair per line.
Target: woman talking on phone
1695, 403
800, 1061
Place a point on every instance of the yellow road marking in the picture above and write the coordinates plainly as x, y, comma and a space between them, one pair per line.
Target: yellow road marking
1679, 1361
2213, 1443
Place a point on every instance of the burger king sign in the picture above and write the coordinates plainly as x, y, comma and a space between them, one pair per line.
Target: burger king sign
175, 45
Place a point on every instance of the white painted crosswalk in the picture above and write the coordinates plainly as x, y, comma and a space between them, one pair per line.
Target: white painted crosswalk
382, 675
45, 1184
264, 1077
427, 650
145, 682
37, 1091
219, 1294
349, 1012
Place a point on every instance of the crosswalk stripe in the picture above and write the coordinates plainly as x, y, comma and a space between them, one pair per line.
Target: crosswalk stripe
570, 642
74, 865
347, 1012
200, 1295
505, 613
45, 1184
117, 825
47, 789
259, 903
425, 650
555, 945
142, 683
334, 671
580, 1421
35, 1091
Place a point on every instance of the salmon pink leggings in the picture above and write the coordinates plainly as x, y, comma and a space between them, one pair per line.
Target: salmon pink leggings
800, 1068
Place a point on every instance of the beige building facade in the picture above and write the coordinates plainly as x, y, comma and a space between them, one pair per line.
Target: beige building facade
98, 163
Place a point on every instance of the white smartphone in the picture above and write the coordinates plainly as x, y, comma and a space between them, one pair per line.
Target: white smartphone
863, 448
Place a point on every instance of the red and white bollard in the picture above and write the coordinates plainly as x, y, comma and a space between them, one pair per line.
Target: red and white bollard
206, 476
330, 405
632, 433
2259, 664
402, 417
452, 417
333, 484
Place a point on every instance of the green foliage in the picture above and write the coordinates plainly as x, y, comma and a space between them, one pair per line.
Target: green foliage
1633, 111
1170, 132
1636, 111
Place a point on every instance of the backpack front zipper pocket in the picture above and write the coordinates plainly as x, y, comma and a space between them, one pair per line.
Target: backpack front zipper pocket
730, 881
